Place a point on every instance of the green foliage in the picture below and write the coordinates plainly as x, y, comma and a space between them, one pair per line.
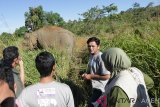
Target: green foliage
21, 31
7, 38
136, 5
136, 31
54, 19
95, 21
93, 14
34, 18
37, 18
144, 54
104, 21
150, 4
32, 75
4, 34
110, 9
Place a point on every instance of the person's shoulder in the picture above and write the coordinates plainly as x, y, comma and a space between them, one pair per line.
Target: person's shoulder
38, 85
59, 84
100, 53
98, 56
15, 71
31, 87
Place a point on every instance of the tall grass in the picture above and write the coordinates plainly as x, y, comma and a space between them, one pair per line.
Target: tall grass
144, 54
31, 74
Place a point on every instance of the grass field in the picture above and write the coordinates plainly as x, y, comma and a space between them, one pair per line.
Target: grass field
144, 53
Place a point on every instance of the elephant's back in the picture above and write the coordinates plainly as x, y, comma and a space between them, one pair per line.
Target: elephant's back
56, 36
54, 32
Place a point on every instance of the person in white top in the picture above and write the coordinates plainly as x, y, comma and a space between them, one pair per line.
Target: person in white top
46, 93
96, 72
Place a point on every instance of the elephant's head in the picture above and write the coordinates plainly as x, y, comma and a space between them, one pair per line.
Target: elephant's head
30, 40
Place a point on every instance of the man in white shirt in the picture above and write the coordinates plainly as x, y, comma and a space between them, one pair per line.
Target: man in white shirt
96, 72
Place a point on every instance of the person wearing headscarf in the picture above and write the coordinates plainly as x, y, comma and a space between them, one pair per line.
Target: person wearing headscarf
128, 85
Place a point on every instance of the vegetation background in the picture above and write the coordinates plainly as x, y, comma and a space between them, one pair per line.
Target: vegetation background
136, 30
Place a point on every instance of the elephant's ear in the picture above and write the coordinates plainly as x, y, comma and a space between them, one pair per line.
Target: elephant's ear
30, 39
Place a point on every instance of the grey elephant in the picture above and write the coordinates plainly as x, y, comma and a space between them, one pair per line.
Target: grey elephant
50, 37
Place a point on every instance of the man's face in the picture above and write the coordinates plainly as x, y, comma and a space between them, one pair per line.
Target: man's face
93, 48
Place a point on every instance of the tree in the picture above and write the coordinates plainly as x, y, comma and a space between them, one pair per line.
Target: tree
111, 9
6, 38
34, 18
150, 4
5, 34
37, 18
54, 19
21, 31
98, 13
136, 5
93, 13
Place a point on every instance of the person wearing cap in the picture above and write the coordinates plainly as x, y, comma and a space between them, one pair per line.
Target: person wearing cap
128, 85
47, 92
96, 71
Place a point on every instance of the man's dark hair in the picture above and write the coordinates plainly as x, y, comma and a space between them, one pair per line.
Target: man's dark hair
44, 63
6, 75
9, 54
93, 39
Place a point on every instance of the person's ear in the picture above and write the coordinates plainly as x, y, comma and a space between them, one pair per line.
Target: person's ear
54, 67
98, 47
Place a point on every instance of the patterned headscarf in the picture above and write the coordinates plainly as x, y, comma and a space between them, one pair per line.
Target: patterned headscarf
115, 60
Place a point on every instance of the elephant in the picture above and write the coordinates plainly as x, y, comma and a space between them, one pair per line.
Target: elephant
50, 37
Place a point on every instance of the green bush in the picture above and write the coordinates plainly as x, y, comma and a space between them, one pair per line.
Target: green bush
144, 54
21, 31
